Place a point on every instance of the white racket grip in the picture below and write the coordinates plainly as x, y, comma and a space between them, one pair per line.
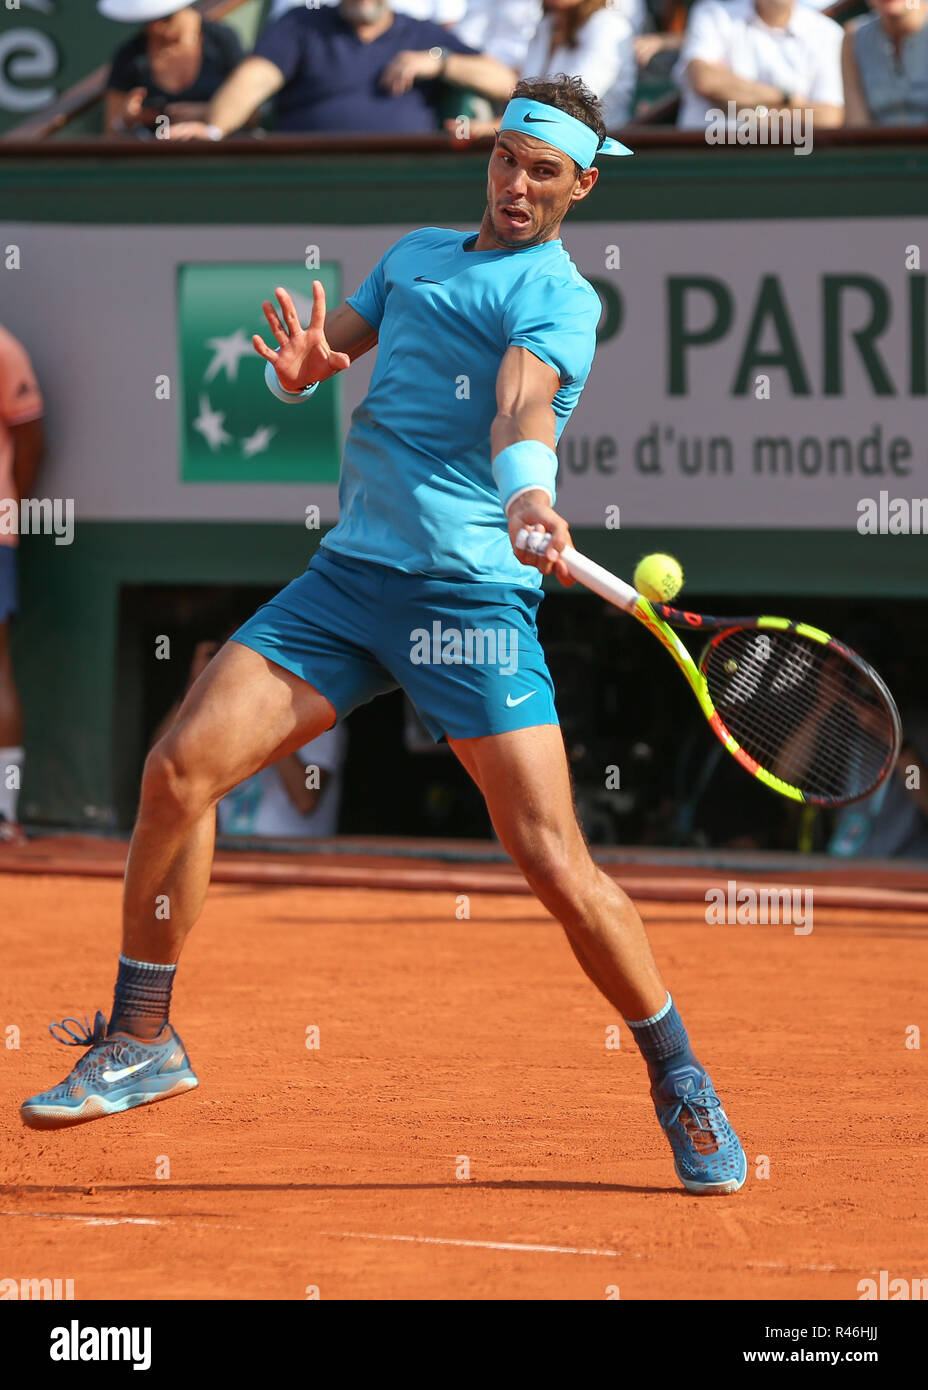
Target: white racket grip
607, 585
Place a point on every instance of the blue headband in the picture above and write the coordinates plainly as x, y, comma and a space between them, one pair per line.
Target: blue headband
558, 129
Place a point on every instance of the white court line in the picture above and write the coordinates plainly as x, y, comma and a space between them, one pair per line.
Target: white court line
775, 1264
116, 1220
474, 1244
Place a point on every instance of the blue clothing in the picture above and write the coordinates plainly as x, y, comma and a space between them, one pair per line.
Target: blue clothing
9, 589
895, 88
467, 655
417, 490
333, 79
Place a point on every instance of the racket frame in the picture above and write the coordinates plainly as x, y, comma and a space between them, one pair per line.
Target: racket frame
656, 617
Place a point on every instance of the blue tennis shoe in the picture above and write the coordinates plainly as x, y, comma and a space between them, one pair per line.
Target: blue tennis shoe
114, 1074
707, 1152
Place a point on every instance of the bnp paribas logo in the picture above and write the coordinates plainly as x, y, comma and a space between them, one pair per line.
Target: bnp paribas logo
232, 430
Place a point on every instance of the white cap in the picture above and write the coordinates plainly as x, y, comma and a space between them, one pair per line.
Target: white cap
139, 11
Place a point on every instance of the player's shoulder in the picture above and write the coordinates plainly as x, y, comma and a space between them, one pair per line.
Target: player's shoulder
559, 278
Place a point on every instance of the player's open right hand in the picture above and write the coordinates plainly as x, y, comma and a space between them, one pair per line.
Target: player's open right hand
304, 355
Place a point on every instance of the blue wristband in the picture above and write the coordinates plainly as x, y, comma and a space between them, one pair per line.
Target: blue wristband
274, 386
527, 463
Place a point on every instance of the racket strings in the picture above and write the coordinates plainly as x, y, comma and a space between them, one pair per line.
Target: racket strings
802, 710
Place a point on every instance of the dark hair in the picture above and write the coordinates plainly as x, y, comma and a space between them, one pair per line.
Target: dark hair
568, 94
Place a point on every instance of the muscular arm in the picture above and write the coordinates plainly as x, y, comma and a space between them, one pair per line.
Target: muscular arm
720, 85
480, 73
243, 91
525, 388
28, 449
346, 331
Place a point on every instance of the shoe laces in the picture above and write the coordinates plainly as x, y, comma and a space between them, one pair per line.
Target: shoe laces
694, 1111
85, 1036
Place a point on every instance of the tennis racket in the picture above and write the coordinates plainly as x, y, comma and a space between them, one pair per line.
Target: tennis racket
803, 713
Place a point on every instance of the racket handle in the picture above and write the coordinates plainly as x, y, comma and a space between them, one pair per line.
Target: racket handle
607, 585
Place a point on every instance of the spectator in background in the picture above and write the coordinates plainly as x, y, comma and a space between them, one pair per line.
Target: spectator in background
772, 53
589, 39
593, 40
21, 447
446, 12
173, 67
885, 64
502, 28
357, 67
277, 803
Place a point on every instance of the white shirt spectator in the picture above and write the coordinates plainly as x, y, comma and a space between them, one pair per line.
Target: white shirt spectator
803, 58
260, 805
604, 57
502, 28
438, 11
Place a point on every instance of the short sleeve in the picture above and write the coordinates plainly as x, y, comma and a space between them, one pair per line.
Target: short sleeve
20, 397
281, 43
124, 71
705, 37
558, 325
369, 300
827, 87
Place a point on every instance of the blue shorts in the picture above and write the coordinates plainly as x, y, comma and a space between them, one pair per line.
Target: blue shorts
9, 588
467, 654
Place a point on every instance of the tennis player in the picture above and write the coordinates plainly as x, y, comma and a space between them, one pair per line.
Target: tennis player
485, 340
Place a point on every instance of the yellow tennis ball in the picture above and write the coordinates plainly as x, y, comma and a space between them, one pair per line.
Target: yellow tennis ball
658, 577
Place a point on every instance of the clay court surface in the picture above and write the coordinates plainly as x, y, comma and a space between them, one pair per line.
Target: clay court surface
444, 1040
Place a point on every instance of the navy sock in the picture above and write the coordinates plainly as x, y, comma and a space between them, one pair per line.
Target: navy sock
142, 999
663, 1041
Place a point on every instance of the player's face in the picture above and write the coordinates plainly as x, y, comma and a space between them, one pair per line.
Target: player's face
530, 187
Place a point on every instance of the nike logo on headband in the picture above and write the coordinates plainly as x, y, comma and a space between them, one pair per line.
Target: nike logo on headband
536, 120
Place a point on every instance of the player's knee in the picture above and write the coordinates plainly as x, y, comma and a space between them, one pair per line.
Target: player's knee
170, 783
549, 861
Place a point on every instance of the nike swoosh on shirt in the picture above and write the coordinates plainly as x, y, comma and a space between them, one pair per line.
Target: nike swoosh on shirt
522, 698
424, 280
111, 1076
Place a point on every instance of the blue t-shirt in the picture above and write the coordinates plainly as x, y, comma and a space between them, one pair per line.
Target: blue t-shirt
417, 489
333, 79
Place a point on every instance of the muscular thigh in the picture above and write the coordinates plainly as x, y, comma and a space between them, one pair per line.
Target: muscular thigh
525, 781
243, 713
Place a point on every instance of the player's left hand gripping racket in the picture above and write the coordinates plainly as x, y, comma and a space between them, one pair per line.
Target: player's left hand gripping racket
803, 713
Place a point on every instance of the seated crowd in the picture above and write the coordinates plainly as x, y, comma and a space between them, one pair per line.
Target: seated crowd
412, 66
